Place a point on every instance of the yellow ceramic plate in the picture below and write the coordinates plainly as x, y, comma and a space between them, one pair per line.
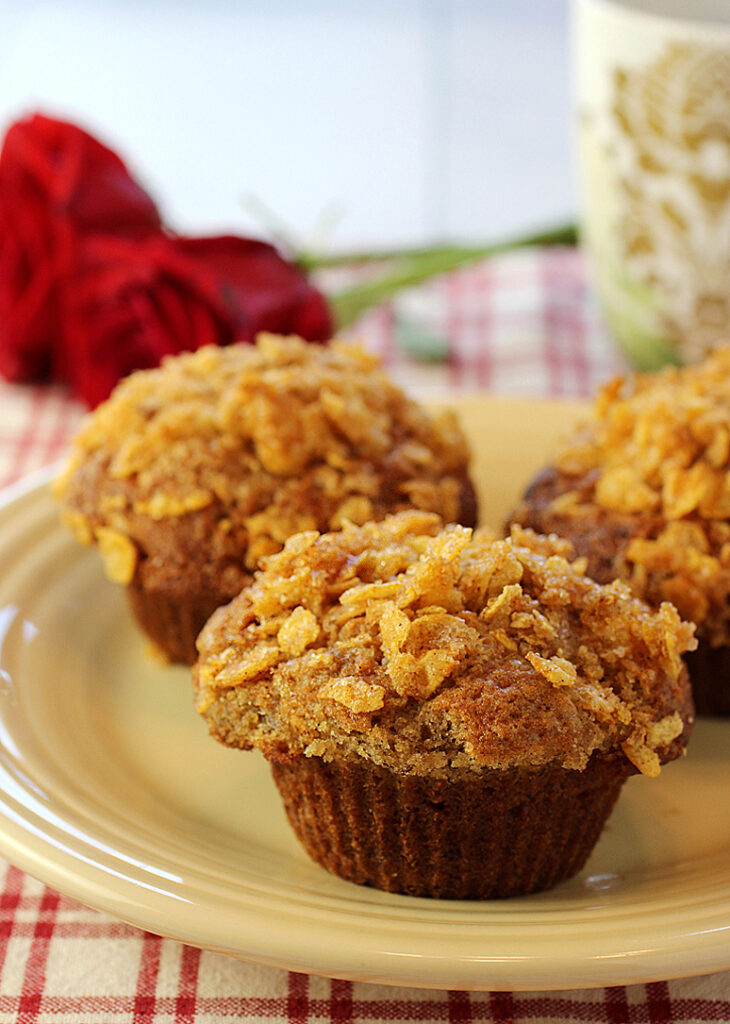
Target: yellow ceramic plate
112, 792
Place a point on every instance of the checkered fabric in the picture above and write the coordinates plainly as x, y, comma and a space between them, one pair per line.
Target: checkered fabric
523, 324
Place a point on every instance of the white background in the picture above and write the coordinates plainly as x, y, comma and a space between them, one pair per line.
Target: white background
359, 123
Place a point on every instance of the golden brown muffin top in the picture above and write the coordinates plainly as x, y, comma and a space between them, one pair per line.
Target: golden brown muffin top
428, 649
283, 436
658, 447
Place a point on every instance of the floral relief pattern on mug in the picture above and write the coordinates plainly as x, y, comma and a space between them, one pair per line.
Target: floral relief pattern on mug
666, 138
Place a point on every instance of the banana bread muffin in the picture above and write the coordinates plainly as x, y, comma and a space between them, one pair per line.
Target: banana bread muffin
189, 473
445, 714
643, 492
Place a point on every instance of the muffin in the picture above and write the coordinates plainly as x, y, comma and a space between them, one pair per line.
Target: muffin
191, 472
643, 492
445, 715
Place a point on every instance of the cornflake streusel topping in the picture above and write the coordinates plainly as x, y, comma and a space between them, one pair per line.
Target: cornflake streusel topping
428, 649
284, 435
658, 447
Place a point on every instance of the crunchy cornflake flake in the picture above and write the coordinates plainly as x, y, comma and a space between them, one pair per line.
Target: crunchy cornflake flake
556, 670
394, 627
298, 631
243, 664
663, 732
643, 757
161, 505
355, 694
79, 526
118, 554
503, 604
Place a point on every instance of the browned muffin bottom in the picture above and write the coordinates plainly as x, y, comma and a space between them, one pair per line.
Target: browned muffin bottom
709, 671
191, 473
488, 836
171, 620
642, 493
419, 690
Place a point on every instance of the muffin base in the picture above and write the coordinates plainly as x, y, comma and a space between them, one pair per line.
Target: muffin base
173, 623
493, 835
709, 673
468, 503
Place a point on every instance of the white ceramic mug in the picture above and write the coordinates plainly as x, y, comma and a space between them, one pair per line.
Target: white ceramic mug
652, 94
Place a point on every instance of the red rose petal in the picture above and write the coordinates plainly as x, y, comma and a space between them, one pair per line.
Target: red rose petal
56, 182
262, 290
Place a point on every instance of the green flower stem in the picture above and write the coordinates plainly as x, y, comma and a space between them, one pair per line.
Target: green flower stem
409, 267
564, 234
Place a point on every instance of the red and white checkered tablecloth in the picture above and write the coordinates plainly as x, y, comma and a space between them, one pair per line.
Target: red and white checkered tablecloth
522, 324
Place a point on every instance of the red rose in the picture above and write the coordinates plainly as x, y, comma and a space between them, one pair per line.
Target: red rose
91, 286
132, 302
56, 182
